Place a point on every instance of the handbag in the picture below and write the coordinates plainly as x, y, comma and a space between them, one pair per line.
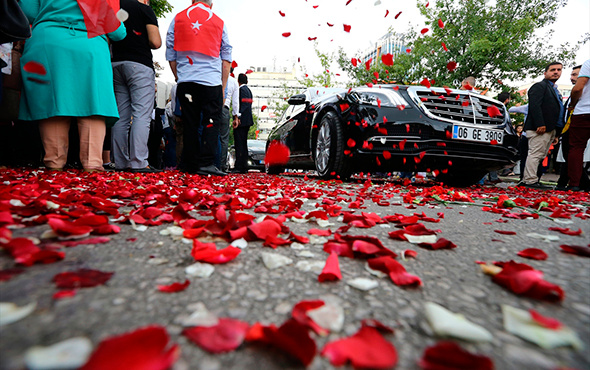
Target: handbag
14, 25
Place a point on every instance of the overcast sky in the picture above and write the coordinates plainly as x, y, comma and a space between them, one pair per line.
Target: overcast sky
255, 29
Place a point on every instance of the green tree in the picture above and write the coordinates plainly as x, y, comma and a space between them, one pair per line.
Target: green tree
160, 7
492, 41
325, 78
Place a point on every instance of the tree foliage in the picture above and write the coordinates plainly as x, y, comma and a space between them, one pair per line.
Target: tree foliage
492, 41
160, 7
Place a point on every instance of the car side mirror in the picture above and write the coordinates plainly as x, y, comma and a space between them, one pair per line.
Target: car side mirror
298, 99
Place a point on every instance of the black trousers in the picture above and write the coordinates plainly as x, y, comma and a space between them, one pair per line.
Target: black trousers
241, 145
201, 115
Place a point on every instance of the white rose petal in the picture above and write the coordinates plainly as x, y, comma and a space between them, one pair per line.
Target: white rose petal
376, 273
16, 203
324, 223
297, 246
363, 283
328, 316
69, 354
447, 323
274, 261
10, 312
240, 243
122, 15
545, 238
416, 239
202, 270
201, 317
519, 322
306, 254
314, 266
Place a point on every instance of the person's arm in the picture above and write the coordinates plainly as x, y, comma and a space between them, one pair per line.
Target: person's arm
235, 100
225, 68
577, 92
524, 109
170, 52
154, 36
118, 34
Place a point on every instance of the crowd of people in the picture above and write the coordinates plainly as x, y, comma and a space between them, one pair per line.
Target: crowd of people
90, 63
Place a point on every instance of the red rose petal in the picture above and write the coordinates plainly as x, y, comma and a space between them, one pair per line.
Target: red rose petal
566, 231
347, 28
331, 271
281, 13
35, 67
493, 111
576, 249
190, 61
65, 228
354, 62
286, 34
174, 287
208, 252
547, 322
61, 294
441, 23
395, 270
505, 232
524, 280
410, 253
320, 232
82, 278
398, 14
377, 325
441, 243
277, 154
368, 64
145, 348
533, 253
367, 349
423, 30
387, 59
226, 336
8, 274
451, 66
299, 313
386, 13
425, 83
448, 355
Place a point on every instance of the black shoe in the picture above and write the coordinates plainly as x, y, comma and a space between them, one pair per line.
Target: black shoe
560, 188
235, 170
109, 166
573, 188
148, 169
210, 170
535, 185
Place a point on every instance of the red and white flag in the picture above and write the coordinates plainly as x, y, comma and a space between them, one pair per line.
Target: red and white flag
198, 29
100, 16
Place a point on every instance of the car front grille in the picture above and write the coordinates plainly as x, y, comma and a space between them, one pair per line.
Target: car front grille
457, 106
257, 157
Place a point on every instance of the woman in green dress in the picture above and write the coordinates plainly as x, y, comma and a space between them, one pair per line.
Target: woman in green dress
67, 74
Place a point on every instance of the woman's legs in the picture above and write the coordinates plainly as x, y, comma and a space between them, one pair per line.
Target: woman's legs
92, 132
54, 135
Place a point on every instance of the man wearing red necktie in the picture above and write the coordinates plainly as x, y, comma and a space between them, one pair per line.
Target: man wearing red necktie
199, 53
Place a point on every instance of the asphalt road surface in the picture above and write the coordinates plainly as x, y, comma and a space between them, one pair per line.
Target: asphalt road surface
247, 290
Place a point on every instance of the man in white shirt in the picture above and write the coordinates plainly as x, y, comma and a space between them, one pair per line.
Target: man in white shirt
232, 97
579, 126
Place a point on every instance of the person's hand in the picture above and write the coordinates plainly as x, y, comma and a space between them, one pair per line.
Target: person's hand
236, 122
555, 141
571, 107
541, 130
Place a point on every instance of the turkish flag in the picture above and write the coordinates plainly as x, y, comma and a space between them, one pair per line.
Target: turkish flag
100, 16
198, 29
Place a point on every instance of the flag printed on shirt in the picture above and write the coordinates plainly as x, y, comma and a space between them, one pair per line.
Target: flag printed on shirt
100, 16
198, 29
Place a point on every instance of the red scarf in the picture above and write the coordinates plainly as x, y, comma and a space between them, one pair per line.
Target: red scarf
100, 16
198, 29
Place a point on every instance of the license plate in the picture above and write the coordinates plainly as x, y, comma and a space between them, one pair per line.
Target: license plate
482, 135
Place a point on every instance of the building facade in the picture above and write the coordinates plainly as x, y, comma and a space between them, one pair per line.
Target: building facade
386, 44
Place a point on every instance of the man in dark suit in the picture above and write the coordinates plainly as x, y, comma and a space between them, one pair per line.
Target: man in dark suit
546, 113
242, 127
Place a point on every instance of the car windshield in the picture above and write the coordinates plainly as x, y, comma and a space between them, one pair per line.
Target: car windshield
315, 93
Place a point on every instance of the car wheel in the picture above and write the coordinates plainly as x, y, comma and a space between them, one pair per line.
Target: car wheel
461, 179
329, 157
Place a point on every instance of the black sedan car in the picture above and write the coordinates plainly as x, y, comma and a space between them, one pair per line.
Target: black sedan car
458, 134
256, 151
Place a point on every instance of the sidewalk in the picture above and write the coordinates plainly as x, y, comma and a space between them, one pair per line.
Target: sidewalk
548, 178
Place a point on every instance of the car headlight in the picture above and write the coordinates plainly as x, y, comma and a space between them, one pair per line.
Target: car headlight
380, 97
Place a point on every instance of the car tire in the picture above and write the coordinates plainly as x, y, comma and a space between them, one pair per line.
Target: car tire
461, 179
329, 158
